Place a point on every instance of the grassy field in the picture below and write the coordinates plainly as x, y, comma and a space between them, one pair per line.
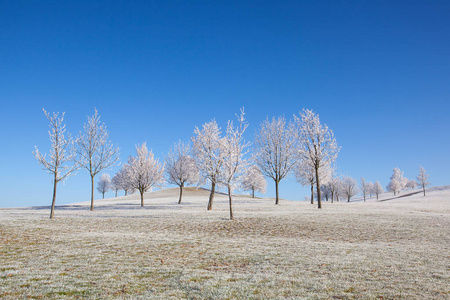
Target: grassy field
393, 249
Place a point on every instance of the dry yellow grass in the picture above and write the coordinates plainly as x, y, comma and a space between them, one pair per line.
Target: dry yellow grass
396, 249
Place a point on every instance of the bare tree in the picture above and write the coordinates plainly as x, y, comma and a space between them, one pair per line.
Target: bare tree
180, 167
234, 148
144, 171
62, 153
335, 186
365, 187
305, 174
422, 179
253, 180
275, 153
208, 154
121, 180
317, 144
377, 188
95, 152
370, 188
104, 184
349, 187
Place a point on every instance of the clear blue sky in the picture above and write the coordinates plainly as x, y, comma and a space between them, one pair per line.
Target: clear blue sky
377, 73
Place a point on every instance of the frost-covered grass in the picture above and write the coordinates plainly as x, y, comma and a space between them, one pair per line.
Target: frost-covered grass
399, 248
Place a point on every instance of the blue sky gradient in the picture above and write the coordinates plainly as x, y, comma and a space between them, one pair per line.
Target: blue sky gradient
377, 73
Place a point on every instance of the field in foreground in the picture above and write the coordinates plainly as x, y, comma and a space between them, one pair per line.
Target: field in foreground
393, 249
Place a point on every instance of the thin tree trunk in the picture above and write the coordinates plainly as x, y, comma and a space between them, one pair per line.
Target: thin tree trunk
276, 188
142, 197
332, 196
377, 197
231, 205
54, 198
116, 193
253, 193
103, 195
424, 191
211, 195
181, 193
348, 199
312, 193
126, 192
364, 197
92, 193
319, 202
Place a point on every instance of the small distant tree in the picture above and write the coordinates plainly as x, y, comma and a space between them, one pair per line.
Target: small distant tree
275, 150
253, 180
365, 188
208, 155
377, 188
422, 179
62, 153
326, 191
317, 144
305, 175
104, 184
95, 152
144, 171
412, 184
349, 187
234, 148
180, 167
120, 181
370, 188
398, 182
335, 187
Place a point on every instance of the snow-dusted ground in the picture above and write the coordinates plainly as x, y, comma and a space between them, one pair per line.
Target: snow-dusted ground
397, 247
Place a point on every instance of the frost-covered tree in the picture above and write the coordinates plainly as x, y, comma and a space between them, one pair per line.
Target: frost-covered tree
60, 162
335, 187
180, 167
234, 148
422, 179
412, 184
120, 180
253, 180
370, 188
326, 191
398, 182
208, 155
365, 187
317, 144
305, 175
275, 152
104, 184
144, 171
349, 187
95, 152
377, 188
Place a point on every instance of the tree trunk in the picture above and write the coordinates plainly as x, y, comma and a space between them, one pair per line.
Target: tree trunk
211, 195
348, 198
92, 193
364, 197
103, 195
54, 198
181, 193
142, 196
377, 197
312, 193
231, 206
116, 193
253, 193
332, 196
126, 192
276, 188
424, 191
319, 202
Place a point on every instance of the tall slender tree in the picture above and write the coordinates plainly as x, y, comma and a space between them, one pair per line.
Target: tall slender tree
61, 163
234, 148
95, 152
365, 187
317, 144
208, 155
422, 179
377, 188
275, 152
349, 187
180, 167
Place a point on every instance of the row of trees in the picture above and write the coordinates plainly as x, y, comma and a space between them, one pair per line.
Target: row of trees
398, 182
302, 146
